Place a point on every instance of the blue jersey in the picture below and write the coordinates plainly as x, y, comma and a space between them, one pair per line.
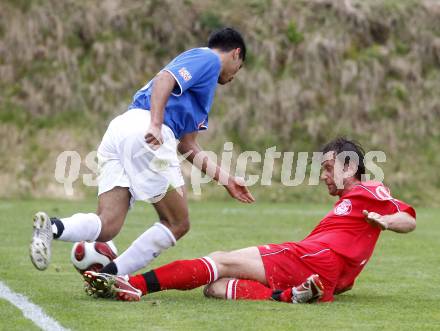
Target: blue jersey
196, 72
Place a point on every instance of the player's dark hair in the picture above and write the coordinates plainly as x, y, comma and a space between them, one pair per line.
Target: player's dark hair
227, 39
342, 144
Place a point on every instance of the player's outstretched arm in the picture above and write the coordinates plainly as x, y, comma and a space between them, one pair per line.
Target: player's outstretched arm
400, 222
235, 186
162, 88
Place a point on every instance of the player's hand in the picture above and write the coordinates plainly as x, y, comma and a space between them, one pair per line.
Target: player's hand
375, 219
238, 190
153, 137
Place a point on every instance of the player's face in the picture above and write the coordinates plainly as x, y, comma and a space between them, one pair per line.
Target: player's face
328, 177
333, 175
231, 66
337, 176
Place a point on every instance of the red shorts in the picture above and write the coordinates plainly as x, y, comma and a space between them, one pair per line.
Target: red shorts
289, 264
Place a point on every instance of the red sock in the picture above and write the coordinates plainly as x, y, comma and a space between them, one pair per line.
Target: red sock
139, 282
244, 289
286, 296
179, 275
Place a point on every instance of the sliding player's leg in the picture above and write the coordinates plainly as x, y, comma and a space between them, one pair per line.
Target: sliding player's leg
184, 274
189, 274
174, 223
290, 280
215, 270
103, 225
311, 290
238, 289
244, 289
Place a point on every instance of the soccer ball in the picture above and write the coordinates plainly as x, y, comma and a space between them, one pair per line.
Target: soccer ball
92, 255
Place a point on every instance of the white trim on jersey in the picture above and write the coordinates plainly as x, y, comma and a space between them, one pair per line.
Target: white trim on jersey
319, 252
177, 81
273, 253
395, 204
374, 195
146, 86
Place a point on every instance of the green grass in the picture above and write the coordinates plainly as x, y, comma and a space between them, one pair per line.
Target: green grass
398, 290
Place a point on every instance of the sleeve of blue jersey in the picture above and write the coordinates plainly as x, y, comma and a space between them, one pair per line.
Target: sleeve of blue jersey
193, 67
204, 124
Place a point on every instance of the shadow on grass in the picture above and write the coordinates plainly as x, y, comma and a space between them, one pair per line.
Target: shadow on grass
366, 298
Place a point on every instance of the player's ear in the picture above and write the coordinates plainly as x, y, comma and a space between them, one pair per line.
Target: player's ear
236, 53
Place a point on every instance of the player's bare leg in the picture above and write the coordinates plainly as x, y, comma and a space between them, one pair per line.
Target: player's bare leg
112, 210
246, 279
242, 275
245, 263
105, 225
174, 223
173, 212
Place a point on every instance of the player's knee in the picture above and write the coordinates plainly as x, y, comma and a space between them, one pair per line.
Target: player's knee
221, 261
208, 291
216, 289
110, 227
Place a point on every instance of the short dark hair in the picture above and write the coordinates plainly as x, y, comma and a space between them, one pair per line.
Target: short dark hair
227, 39
342, 144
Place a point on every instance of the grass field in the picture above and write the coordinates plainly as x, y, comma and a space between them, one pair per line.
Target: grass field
398, 290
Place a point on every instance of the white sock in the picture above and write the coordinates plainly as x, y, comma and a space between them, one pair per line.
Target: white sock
81, 227
144, 249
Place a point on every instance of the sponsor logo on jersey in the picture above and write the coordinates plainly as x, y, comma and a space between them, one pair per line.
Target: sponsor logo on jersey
185, 74
344, 208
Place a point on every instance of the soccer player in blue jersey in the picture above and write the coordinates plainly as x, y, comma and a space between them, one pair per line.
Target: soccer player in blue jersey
137, 158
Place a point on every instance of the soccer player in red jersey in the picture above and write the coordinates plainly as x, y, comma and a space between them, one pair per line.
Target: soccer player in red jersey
325, 263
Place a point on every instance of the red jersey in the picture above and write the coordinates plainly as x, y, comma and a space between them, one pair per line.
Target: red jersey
345, 231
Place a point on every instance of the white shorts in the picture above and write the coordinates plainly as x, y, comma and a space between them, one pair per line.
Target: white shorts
126, 160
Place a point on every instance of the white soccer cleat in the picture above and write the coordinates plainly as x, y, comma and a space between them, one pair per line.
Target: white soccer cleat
103, 285
40, 247
309, 291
